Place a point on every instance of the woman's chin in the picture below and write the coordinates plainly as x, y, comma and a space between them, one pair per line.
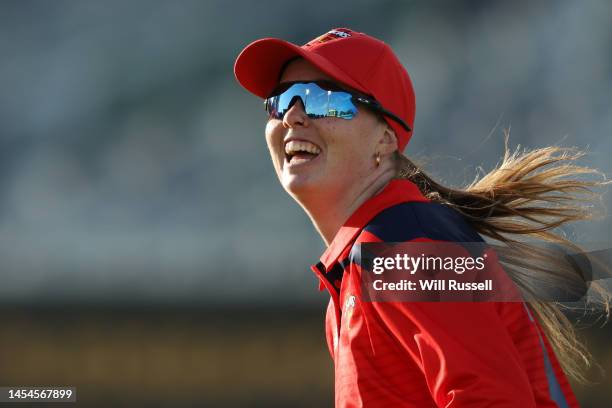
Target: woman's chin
300, 185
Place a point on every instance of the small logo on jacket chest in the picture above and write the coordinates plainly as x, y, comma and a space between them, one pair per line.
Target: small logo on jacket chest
349, 307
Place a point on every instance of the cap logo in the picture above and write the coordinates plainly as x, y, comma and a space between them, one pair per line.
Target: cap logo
331, 35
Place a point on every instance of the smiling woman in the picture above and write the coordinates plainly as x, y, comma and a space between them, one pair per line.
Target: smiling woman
341, 110
332, 173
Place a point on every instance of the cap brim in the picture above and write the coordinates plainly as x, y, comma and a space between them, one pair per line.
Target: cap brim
258, 67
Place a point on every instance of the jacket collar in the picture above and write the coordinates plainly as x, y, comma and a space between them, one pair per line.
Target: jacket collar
395, 192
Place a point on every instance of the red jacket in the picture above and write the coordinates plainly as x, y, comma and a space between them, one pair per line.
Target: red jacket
425, 354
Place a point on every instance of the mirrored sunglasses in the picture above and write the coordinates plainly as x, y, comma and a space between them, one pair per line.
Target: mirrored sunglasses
321, 99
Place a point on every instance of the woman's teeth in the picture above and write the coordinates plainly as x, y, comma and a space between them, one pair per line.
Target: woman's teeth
295, 146
300, 151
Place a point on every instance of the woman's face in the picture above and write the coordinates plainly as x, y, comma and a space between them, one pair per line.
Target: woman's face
344, 150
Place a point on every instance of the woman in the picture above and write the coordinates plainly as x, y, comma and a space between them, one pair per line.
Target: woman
341, 110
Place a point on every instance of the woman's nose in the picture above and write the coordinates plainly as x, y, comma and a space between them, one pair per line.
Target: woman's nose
296, 115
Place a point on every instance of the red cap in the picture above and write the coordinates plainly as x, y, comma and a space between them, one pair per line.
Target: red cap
351, 58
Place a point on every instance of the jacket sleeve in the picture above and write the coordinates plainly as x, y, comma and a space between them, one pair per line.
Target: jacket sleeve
464, 351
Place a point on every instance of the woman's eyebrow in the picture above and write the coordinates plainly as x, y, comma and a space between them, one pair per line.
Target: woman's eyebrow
334, 84
307, 80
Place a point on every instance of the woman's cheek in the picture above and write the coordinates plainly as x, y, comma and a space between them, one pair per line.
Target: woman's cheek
275, 144
271, 132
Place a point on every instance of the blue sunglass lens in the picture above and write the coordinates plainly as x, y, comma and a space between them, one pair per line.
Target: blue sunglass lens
317, 102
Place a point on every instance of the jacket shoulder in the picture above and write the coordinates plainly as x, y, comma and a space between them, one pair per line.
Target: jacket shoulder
410, 220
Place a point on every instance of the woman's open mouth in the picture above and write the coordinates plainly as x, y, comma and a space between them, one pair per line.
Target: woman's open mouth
300, 151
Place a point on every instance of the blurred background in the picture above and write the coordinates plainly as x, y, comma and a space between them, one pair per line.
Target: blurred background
149, 254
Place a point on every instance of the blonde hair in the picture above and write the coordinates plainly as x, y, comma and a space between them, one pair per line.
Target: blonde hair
519, 198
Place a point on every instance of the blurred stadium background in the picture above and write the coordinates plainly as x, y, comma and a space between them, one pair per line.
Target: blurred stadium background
149, 255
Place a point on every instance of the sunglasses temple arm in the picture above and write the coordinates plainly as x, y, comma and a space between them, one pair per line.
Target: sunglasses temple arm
395, 118
375, 105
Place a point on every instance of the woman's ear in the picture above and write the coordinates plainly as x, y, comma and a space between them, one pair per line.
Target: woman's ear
388, 141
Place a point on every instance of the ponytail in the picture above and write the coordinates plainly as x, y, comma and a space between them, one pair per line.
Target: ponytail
520, 198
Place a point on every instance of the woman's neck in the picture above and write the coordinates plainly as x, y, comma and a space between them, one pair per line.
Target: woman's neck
328, 216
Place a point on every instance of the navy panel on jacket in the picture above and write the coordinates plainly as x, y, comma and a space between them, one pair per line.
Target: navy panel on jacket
407, 221
410, 220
